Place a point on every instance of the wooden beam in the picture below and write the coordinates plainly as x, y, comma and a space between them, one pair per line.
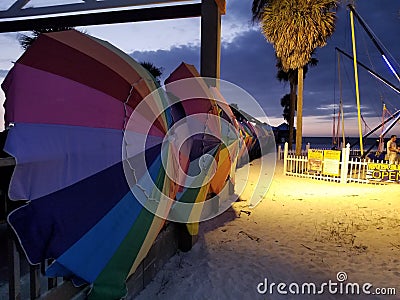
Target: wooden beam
14, 275
110, 17
17, 6
66, 290
34, 280
210, 55
17, 9
221, 6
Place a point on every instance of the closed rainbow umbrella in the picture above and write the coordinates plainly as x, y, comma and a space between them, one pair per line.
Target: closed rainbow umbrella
69, 100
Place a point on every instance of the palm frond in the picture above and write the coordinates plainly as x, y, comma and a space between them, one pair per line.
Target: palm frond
297, 27
153, 70
26, 40
258, 7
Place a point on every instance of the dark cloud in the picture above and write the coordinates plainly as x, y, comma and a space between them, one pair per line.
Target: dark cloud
170, 59
382, 19
249, 62
237, 12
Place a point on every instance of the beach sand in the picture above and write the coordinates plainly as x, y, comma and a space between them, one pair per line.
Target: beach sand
303, 231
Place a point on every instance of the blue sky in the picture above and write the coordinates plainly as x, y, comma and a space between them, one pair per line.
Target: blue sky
248, 60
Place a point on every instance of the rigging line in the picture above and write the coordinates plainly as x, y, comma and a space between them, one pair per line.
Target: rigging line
349, 80
377, 76
387, 110
382, 91
393, 107
382, 45
384, 112
334, 131
395, 120
340, 94
374, 40
334, 137
365, 123
347, 36
341, 113
391, 56
395, 116
379, 86
366, 49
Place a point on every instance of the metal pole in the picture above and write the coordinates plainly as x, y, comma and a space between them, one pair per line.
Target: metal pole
353, 39
341, 102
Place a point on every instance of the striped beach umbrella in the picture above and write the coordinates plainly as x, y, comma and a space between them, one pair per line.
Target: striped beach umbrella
70, 99
209, 151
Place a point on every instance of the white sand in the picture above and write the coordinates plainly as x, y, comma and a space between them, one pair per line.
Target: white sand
303, 231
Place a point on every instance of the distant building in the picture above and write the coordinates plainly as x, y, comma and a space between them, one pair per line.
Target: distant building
281, 133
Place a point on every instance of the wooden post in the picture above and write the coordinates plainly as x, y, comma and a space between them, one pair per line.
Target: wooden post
34, 280
14, 284
285, 154
51, 282
185, 240
210, 55
279, 152
345, 164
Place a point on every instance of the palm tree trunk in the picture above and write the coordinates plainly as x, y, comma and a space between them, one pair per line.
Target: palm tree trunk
292, 105
299, 127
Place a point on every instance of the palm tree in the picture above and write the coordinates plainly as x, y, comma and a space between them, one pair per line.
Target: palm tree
258, 8
153, 70
291, 77
285, 103
26, 40
296, 28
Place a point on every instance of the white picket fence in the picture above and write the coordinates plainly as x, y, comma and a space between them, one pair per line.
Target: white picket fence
353, 152
291, 152
351, 169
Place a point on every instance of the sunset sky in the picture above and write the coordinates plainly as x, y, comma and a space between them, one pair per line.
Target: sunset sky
248, 60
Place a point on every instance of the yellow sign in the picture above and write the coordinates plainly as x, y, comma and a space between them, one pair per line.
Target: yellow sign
379, 166
383, 172
315, 158
331, 162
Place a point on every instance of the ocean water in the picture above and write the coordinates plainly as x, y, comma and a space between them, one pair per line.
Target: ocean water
326, 142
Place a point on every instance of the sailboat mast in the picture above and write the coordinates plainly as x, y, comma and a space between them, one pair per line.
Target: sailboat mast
353, 39
341, 112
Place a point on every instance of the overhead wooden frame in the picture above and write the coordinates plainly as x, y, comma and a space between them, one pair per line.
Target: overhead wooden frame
21, 17
24, 8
